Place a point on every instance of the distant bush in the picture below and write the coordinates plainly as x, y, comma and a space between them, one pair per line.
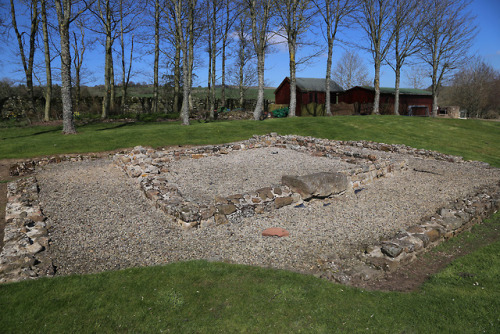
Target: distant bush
491, 114
280, 113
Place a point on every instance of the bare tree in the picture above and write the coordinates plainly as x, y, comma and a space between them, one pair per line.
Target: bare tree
65, 16
48, 67
79, 47
212, 11
156, 56
230, 16
350, 71
27, 57
184, 14
446, 40
473, 86
172, 34
415, 77
294, 18
245, 74
260, 13
375, 18
105, 13
129, 13
334, 14
410, 20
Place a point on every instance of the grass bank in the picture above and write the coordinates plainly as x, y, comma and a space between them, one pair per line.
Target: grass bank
473, 139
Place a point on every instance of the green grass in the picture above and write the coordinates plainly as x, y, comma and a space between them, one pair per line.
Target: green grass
473, 139
199, 296
204, 297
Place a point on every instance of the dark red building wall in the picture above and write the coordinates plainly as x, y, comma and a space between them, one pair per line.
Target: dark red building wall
282, 96
357, 95
364, 96
282, 93
415, 100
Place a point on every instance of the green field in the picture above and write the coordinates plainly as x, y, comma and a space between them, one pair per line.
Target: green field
207, 297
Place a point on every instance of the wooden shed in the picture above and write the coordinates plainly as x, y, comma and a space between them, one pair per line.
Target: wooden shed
412, 102
309, 90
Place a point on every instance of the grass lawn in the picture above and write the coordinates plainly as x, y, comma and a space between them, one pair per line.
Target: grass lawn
200, 296
476, 140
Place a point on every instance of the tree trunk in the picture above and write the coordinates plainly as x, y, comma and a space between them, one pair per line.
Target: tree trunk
107, 77
112, 85
328, 110
259, 38
187, 50
223, 76
48, 69
78, 62
396, 92
177, 73
27, 64
77, 89
376, 83
63, 15
293, 81
434, 94
241, 83
260, 93
241, 61
213, 51
185, 90
192, 5
209, 104
157, 56
227, 27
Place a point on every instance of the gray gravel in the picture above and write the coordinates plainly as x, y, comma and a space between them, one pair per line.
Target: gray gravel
244, 171
102, 221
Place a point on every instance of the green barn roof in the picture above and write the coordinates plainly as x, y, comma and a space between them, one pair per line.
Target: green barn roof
402, 91
316, 85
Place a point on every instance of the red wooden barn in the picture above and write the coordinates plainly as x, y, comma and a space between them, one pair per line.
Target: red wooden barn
308, 90
412, 102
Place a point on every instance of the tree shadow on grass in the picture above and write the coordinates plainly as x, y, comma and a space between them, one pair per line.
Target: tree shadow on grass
34, 134
121, 125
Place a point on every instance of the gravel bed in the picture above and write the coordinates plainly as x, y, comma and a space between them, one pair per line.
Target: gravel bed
102, 221
244, 171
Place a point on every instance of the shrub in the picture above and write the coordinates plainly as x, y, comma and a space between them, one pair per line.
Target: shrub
491, 114
280, 113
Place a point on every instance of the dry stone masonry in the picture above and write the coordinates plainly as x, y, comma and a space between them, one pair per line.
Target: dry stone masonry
449, 221
26, 237
149, 167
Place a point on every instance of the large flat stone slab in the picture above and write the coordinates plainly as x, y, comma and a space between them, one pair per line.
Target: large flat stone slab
321, 184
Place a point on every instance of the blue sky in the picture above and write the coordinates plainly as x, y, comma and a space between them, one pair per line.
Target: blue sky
486, 45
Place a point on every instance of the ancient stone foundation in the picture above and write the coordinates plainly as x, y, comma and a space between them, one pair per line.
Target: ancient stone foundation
449, 221
26, 238
147, 165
